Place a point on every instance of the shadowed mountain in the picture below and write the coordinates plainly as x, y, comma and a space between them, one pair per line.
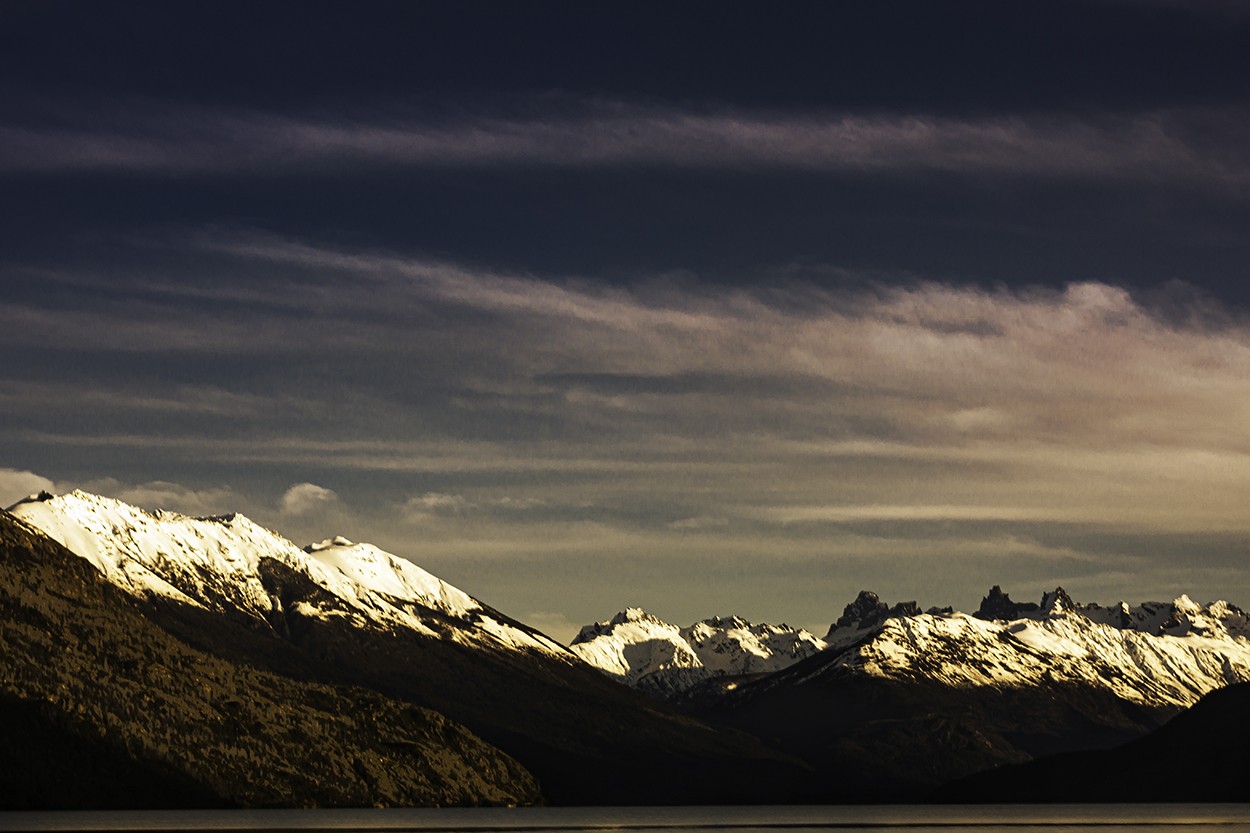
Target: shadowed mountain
1198, 756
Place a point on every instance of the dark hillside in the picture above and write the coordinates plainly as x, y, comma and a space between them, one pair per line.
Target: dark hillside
893, 740
1200, 755
588, 739
102, 708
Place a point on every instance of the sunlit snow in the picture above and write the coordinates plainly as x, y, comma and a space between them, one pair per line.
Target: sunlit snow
215, 563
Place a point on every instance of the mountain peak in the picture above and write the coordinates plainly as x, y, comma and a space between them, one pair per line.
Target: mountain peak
866, 607
998, 606
1184, 604
631, 618
634, 614
726, 622
868, 611
1057, 601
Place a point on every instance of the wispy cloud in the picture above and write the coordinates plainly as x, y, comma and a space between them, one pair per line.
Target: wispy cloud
685, 423
161, 139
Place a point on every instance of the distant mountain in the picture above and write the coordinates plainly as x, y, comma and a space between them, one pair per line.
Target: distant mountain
652, 655
102, 708
1163, 655
901, 701
1158, 654
346, 613
1197, 756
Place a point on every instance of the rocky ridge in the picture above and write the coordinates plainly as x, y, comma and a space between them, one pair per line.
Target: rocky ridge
1156, 654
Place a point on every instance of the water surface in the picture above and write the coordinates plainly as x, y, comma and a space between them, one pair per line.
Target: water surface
1059, 818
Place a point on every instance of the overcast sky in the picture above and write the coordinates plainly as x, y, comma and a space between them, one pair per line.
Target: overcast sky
706, 308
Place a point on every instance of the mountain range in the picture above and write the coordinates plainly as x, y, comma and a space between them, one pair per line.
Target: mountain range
154, 659
1158, 654
340, 614
906, 701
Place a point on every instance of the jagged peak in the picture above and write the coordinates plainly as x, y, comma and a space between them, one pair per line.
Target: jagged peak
868, 610
726, 622
1057, 601
997, 605
1223, 608
634, 614
867, 605
1184, 604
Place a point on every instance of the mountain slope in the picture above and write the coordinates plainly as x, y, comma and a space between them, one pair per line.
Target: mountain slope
105, 709
649, 654
349, 614
1196, 756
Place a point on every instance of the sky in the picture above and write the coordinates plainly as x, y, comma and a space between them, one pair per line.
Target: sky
704, 308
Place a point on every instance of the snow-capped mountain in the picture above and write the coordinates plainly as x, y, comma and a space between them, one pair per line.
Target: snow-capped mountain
105, 709
648, 653
1156, 654
905, 701
1159, 654
228, 564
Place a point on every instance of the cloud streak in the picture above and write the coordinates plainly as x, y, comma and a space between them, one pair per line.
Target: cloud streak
156, 138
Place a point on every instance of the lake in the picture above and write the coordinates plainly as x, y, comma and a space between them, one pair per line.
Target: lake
1161, 818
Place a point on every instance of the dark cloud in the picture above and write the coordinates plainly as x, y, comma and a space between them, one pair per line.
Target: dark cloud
967, 54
